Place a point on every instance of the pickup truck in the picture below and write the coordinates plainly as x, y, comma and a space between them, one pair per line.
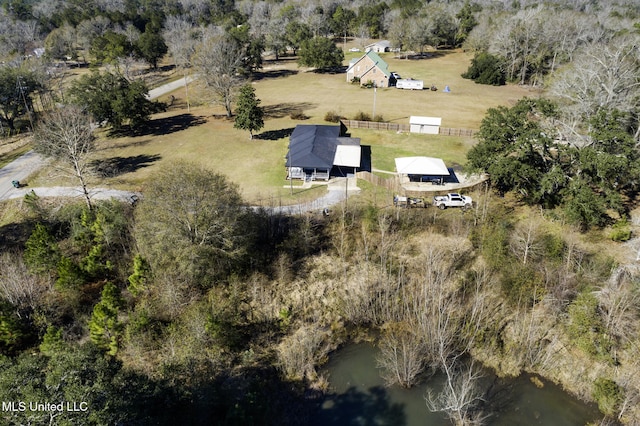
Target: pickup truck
452, 200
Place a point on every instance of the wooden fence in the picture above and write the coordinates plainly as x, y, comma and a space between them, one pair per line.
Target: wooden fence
392, 183
456, 132
399, 127
375, 125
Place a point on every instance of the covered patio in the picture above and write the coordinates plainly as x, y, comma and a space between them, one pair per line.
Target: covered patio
422, 169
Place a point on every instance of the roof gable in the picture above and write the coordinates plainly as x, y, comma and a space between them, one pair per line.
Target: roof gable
376, 59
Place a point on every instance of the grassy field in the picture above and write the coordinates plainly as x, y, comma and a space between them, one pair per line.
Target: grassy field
204, 135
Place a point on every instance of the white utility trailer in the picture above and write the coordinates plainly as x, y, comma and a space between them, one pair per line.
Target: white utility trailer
410, 84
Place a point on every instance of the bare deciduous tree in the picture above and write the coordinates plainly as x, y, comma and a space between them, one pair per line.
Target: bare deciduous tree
460, 396
298, 352
180, 36
17, 285
401, 356
66, 135
218, 61
618, 299
601, 76
526, 238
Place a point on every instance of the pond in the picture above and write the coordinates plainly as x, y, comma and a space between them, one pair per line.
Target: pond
359, 397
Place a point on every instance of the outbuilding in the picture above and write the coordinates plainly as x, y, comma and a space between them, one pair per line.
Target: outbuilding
422, 169
379, 46
428, 125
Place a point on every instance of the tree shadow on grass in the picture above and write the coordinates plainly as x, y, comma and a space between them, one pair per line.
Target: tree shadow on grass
428, 55
116, 166
361, 408
273, 74
334, 70
285, 109
161, 126
134, 143
274, 135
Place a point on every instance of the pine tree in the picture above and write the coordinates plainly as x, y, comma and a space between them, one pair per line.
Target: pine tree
42, 252
249, 114
104, 327
140, 276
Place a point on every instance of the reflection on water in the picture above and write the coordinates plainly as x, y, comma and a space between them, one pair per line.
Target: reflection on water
359, 397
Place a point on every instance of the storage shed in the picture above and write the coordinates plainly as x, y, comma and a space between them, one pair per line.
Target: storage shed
429, 125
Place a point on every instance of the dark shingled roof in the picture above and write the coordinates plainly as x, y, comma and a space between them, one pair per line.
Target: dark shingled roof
314, 146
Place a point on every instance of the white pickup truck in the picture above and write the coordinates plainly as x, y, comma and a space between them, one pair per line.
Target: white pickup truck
452, 200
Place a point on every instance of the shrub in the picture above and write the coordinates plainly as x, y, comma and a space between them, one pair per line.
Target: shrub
355, 80
607, 394
486, 69
586, 328
362, 116
298, 115
620, 231
379, 118
332, 117
368, 84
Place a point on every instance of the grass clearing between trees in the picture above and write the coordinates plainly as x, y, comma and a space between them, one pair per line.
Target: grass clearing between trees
205, 136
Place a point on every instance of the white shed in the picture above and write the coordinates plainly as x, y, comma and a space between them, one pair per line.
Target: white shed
429, 125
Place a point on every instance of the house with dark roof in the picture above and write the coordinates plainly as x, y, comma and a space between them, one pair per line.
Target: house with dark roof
370, 67
321, 152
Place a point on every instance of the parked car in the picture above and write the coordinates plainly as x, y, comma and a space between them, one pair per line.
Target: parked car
452, 200
354, 49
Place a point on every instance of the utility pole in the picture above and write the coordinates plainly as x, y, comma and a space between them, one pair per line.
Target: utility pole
24, 98
186, 89
375, 87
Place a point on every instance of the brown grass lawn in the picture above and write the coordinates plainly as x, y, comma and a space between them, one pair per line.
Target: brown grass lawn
257, 166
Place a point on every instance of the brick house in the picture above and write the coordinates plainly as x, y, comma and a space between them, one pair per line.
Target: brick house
369, 67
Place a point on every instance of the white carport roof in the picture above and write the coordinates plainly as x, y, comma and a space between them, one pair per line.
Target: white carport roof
347, 155
421, 166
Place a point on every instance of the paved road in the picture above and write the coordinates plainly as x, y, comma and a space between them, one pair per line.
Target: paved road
67, 191
19, 170
167, 88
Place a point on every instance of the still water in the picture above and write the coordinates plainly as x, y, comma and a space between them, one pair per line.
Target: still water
359, 397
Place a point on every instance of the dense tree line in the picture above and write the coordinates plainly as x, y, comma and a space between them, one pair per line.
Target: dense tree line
518, 42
